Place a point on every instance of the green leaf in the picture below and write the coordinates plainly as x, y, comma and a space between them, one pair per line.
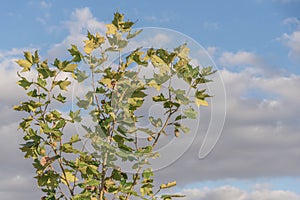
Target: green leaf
132, 35
83, 104
33, 93
146, 189
147, 173
122, 44
36, 58
138, 94
81, 76
136, 101
28, 57
170, 196
41, 82
155, 122
206, 71
75, 116
184, 128
183, 51
159, 63
179, 117
190, 113
159, 98
154, 84
75, 138
24, 83
93, 42
199, 94
77, 56
45, 72
64, 84
60, 98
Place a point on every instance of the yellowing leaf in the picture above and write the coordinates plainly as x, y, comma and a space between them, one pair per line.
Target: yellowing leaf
99, 39
25, 64
153, 83
28, 56
106, 81
168, 185
68, 177
89, 46
70, 67
159, 63
200, 102
190, 113
64, 84
183, 51
111, 29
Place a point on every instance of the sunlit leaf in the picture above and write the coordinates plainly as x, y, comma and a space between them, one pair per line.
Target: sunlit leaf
168, 185
111, 29
200, 102
25, 64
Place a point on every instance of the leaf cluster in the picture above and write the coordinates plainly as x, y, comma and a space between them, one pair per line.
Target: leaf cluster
65, 167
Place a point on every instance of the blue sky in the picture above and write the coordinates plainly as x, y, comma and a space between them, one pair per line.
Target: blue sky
256, 47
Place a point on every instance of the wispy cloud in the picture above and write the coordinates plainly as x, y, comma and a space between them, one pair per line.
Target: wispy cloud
209, 25
45, 4
156, 19
240, 59
82, 20
292, 21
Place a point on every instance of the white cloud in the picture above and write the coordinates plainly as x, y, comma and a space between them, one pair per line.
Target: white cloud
211, 50
292, 20
261, 129
293, 42
11, 93
82, 20
240, 58
45, 4
229, 192
156, 19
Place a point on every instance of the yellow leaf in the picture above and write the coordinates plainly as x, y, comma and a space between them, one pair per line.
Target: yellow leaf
153, 83
111, 29
99, 39
25, 64
89, 46
168, 185
159, 63
68, 176
106, 81
109, 182
70, 67
183, 51
64, 84
200, 102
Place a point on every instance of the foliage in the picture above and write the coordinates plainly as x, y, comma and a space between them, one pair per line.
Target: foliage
65, 169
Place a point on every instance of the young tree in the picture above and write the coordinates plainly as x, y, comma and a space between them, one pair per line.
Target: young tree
65, 167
